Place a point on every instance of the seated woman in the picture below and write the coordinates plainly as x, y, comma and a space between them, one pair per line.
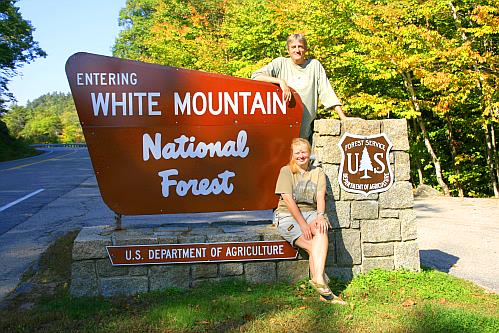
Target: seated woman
300, 216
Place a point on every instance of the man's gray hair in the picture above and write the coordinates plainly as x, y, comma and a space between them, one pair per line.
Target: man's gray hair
296, 37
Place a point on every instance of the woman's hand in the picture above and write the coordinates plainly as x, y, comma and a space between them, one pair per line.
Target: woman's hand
306, 230
321, 224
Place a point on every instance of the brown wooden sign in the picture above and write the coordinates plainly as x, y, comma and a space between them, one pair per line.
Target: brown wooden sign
168, 140
365, 164
202, 252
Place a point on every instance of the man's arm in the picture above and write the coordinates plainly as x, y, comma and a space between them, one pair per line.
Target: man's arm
284, 86
340, 112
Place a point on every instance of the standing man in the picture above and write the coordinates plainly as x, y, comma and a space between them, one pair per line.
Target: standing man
306, 76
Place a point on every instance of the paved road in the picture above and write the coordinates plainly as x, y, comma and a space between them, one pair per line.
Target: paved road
29, 184
460, 236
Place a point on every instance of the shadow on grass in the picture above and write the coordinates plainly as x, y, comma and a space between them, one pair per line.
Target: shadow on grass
238, 306
232, 305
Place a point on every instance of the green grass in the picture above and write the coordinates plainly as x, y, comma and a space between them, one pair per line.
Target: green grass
381, 301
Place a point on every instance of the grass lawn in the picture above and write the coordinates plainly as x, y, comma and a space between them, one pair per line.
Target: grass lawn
381, 301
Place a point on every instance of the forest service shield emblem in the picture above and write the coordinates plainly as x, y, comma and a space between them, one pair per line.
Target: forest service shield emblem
365, 163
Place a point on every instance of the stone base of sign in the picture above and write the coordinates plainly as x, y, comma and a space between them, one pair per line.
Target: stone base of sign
374, 231
93, 274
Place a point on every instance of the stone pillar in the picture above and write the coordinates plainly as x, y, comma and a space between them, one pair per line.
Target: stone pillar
377, 231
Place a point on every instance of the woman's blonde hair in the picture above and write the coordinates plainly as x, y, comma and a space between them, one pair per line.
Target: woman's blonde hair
294, 143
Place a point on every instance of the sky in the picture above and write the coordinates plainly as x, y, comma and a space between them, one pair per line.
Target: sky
62, 28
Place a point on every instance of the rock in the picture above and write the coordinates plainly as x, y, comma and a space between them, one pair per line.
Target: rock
27, 306
204, 271
426, 191
377, 249
260, 272
292, 271
231, 269
123, 286
348, 248
169, 276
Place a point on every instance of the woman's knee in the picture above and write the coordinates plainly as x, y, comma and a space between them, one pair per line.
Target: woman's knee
320, 237
304, 244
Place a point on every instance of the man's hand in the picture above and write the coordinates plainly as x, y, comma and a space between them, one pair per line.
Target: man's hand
286, 92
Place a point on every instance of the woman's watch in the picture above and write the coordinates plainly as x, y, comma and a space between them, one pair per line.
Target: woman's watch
321, 214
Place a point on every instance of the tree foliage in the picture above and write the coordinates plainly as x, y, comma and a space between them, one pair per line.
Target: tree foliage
11, 148
50, 118
433, 62
17, 46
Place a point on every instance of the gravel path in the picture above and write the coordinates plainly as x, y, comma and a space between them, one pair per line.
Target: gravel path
460, 236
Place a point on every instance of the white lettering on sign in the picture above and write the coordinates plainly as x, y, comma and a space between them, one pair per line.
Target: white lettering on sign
101, 103
158, 254
204, 186
376, 144
201, 103
106, 79
362, 142
254, 250
186, 147
353, 144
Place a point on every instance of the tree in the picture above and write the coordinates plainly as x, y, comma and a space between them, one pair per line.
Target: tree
365, 164
10, 148
16, 45
15, 119
173, 33
49, 118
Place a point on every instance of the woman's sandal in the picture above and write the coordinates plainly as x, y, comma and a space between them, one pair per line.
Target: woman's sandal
325, 293
322, 289
333, 299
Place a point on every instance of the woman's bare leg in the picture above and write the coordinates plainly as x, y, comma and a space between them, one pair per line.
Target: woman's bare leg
317, 251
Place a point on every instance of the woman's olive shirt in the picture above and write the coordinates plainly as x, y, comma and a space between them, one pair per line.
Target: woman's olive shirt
303, 187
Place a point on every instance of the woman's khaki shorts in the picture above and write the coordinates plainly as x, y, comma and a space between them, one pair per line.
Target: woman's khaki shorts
287, 226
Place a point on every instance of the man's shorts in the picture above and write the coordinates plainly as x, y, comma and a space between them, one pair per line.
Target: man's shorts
287, 226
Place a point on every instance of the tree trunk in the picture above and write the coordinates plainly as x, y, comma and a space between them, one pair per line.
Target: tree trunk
420, 173
457, 21
490, 160
415, 103
434, 158
494, 149
416, 157
457, 168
